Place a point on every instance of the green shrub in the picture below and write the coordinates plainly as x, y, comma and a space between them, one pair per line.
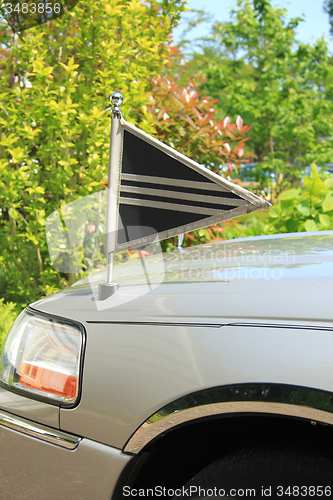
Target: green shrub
304, 209
8, 315
55, 82
308, 208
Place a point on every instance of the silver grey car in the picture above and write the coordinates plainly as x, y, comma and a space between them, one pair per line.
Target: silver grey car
217, 381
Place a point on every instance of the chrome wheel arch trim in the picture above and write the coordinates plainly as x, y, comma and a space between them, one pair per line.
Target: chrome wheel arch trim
38, 431
272, 399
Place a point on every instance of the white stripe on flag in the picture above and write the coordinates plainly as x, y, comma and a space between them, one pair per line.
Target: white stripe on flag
183, 196
210, 186
169, 206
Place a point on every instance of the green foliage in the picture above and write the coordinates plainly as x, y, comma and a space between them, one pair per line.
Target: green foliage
304, 209
328, 7
55, 84
255, 67
308, 208
8, 314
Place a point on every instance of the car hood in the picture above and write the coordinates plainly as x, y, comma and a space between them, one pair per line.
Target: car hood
272, 279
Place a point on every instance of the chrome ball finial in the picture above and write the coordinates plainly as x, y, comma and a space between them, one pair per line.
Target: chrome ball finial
116, 99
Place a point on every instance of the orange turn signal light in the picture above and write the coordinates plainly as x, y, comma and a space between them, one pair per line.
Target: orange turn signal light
49, 381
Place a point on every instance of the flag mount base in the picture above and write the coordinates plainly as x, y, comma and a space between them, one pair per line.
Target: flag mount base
105, 290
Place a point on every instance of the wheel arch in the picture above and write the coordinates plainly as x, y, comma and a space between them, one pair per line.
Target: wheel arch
259, 398
179, 450
172, 459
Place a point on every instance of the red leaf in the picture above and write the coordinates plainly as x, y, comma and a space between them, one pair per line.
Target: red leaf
190, 236
218, 229
190, 121
196, 112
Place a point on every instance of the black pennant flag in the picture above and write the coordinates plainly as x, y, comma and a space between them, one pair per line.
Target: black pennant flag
162, 191
154, 192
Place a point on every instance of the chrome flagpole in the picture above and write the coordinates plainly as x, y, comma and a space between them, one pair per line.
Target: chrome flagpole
107, 289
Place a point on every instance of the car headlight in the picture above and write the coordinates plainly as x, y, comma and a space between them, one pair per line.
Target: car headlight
42, 358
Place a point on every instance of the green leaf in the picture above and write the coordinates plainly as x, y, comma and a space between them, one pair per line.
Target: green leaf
314, 170
329, 183
310, 225
289, 194
13, 213
303, 208
325, 220
314, 187
328, 202
275, 211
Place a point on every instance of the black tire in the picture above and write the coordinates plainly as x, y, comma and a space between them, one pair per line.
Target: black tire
279, 473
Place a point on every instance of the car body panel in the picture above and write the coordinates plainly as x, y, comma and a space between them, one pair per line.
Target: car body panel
31, 409
254, 310
31, 469
131, 371
281, 279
